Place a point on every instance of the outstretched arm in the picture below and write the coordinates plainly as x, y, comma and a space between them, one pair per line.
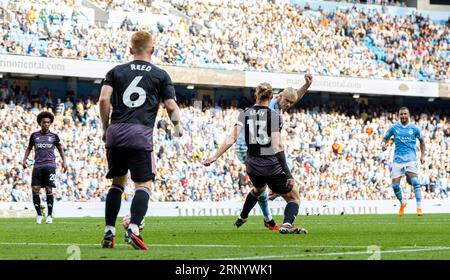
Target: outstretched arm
224, 146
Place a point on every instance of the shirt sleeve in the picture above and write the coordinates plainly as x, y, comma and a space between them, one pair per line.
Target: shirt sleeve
108, 80
31, 142
419, 133
241, 119
389, 133
276, 122
167, 88
57, 140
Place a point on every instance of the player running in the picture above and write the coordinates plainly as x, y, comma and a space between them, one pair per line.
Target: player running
134, 90
44, 142
405, 158
282, 102
266, 161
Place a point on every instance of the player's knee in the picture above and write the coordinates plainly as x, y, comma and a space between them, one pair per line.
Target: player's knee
293, 195
120, 181
263, 197
48, 191
35, 189
415, 182
143, 185
396, 185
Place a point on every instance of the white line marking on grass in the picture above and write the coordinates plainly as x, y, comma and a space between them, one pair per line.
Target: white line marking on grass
229, 246
335, 254
189, 245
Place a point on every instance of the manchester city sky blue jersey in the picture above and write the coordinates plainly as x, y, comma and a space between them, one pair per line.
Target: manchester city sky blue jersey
405, 138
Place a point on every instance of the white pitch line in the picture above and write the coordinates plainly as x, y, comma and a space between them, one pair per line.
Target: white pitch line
336, 254
222, 245
189, 245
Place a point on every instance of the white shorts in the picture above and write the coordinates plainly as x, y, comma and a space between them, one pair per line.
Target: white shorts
400, 169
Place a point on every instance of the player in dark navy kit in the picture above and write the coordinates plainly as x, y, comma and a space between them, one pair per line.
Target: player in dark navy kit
134, 90
44, 170
265, 161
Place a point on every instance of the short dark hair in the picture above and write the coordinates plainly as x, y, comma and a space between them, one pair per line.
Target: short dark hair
404, 108
45, 114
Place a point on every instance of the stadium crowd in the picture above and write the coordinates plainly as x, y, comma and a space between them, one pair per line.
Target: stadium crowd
243, 35
334, 152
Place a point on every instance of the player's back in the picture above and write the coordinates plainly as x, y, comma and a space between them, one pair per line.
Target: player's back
138, 88
258, 123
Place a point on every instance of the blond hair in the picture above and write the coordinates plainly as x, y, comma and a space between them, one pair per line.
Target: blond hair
264, 91
140, 41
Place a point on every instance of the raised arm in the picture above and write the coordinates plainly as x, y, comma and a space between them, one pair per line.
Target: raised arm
302, 91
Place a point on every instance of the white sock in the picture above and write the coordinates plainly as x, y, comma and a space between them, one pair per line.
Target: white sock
268, 218
419, 204
111, 228
287, 224
134, 228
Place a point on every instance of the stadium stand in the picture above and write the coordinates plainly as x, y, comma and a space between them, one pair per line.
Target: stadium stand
344, 42
334, 151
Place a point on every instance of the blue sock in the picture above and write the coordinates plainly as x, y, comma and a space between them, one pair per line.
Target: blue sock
398, 191
417, 191
263, 200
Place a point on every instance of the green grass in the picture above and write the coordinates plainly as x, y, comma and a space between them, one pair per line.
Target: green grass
330, 237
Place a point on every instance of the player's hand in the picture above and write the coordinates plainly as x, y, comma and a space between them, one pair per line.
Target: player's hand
308, 79
290, 183
383, 147
422, 159
24, 164
64, 167
104, 136
209, 161
178, 131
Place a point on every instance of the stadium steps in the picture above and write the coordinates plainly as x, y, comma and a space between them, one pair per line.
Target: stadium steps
101, 17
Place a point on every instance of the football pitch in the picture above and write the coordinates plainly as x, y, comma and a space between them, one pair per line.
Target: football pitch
344, 237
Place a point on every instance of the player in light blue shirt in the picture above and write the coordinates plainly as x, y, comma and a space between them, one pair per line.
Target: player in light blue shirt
405, 157
282, 102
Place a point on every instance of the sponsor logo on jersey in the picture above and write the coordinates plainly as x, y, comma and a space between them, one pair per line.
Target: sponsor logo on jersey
44, 145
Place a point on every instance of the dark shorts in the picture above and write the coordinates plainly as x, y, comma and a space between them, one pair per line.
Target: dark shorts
278, 184
43, 176
139, 162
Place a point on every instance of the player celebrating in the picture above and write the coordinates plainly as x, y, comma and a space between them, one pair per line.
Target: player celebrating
134, 90
266, 161
405, 159
282, 102
43, 175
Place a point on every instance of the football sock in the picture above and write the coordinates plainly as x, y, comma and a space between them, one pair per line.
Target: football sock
291, 211
50, 200
398, 191
112, 207
250, 202
263, 201
110, 228
134, 229
37, 203
139, 205
417, 191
